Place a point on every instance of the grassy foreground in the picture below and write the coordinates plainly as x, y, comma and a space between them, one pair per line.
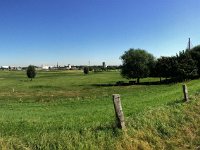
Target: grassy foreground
69, 110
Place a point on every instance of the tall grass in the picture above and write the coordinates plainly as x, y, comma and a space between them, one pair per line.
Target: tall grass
70, 110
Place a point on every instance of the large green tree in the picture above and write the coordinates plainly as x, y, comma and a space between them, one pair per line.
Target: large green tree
136, 63
166, 67
31, 72
187, 67
179, 67
195, 54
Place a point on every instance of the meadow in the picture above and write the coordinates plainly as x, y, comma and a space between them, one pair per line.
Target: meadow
70, 110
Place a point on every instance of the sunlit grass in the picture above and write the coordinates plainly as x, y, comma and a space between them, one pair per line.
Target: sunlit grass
67, 110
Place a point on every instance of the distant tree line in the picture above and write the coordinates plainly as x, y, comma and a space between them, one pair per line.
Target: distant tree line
96, 69
138, 63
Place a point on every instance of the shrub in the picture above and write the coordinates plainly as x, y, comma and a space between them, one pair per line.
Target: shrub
86, 70
31, 73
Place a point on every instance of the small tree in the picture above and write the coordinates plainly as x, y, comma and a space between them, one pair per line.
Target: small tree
90, 68
86, 70
31, 73
136, 63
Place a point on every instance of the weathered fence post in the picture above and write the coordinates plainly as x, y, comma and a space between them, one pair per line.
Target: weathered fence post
118, 111
185, 92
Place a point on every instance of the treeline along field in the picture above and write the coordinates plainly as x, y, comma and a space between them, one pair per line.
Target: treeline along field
138, 63
70, 110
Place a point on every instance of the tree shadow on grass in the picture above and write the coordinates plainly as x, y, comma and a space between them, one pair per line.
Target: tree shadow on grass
130, 83
107, 85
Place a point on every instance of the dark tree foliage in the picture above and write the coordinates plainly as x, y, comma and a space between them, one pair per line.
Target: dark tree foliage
179, 67
195, 54
162, 67
31, 72
187, 67
173, 67
166, 67
90, 68
113, 67
86, 70
136, 63
152, 68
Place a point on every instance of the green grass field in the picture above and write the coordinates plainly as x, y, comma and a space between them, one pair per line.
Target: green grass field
70, 110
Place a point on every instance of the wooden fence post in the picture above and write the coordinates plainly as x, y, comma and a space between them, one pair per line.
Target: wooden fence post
118, 112
185, 92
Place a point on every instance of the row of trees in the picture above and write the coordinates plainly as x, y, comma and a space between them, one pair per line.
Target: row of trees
87, 69
31, 70
138, 63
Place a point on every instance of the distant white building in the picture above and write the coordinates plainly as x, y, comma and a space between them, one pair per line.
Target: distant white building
4, 67
46, 67
69, 66
19, 68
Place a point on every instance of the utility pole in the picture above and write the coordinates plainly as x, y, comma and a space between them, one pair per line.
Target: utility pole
189, 44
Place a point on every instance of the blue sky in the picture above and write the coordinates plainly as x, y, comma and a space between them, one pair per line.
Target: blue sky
78, 31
